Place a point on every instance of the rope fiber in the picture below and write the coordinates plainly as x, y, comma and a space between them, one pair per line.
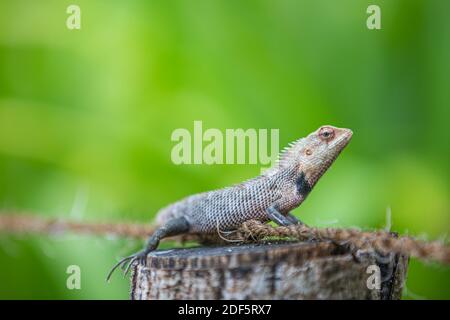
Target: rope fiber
251, 230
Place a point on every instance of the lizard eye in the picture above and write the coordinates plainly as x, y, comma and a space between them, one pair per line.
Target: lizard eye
308, 152
326, 133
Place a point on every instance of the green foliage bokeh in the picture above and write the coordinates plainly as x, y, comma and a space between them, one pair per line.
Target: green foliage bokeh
86, 118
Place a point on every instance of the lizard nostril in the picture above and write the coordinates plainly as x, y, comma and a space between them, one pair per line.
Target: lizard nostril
308, 152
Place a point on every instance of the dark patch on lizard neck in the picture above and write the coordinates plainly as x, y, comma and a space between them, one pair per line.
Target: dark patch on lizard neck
303, 186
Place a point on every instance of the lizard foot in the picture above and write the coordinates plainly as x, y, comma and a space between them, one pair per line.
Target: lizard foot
171, 228
126, 263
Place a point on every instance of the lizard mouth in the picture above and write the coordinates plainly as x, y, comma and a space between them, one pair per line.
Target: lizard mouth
348, 134
341, 142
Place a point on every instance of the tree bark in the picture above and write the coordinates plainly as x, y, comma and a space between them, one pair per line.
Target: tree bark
286, 270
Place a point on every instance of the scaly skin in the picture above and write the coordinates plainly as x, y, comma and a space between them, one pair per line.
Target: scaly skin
270, 196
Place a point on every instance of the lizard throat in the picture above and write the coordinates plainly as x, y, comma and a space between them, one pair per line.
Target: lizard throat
303, 186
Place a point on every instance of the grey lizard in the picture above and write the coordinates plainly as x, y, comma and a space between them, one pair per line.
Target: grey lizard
268, 197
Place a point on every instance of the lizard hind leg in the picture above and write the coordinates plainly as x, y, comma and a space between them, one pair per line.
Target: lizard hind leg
170, 228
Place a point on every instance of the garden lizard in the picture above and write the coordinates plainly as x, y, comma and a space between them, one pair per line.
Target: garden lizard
268, 197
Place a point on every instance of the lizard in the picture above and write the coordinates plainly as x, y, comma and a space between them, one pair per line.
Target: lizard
268, 197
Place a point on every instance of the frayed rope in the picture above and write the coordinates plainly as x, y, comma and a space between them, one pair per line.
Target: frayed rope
252, 230
382, 241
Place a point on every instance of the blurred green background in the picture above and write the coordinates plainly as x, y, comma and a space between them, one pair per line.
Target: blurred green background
86, 118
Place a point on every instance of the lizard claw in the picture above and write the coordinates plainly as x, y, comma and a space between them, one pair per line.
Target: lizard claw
126, 263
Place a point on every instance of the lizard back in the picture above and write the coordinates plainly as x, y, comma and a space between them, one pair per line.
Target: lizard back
228, 208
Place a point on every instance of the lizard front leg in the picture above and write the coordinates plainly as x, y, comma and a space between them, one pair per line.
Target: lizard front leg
283, 220
294, 219
171, 228
276, 216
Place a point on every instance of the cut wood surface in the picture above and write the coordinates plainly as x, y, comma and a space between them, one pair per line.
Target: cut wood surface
283, 270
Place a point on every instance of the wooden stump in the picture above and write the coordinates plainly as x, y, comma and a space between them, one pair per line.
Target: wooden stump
317, 270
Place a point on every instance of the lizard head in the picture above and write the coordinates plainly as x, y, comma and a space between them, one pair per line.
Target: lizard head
313, 155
